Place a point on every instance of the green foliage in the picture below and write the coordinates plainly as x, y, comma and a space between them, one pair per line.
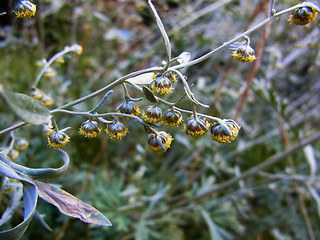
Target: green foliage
197, 188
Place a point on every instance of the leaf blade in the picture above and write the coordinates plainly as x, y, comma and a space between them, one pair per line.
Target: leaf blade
70, 205
27, 108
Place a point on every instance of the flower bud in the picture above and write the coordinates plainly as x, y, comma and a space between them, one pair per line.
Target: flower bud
21, 144
36, 93
116, 130
89, 129
172, 117
196, 127
152, 114
161, 85
304, 15
13, 154
128, 107
159, 142
58, 139
220, 135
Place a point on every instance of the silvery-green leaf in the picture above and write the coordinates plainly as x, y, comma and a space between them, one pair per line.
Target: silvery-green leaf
30, 197
27, 108
149, 94
40, 173
143, 79
184, 57
103, 101
309, 153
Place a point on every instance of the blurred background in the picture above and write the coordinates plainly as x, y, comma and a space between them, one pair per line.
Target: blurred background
146, 195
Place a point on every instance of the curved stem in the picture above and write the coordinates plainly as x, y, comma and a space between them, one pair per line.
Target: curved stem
259, 25
110, 86
66, 50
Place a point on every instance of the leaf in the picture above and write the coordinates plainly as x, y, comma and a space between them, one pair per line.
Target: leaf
40, 173
103, 101
162, 29
309, 153
27, 108
184, 57
214, 235
143, 79
70, 205
149, 94
30, 197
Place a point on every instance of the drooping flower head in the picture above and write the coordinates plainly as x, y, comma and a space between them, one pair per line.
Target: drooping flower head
242, 51
220, 134
128, 107
25, 9
172, 117
58, 139
152, 114
116, 130
161, 85
304, 15
89, 129
159, 142
196, 127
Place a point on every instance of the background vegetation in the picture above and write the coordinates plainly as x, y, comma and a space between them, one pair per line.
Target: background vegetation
147, 195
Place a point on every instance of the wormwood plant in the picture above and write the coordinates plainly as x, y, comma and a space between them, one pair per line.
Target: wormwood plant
36, 107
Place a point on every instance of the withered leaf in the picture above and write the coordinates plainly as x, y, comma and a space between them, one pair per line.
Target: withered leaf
70, 205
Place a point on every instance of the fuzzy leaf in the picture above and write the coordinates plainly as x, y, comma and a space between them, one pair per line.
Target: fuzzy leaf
27, 108
149, 94
70, 205
41, 173
30, 197
103, 101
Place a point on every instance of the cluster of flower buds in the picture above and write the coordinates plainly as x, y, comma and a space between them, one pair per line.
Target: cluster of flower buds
42, 97
20, 145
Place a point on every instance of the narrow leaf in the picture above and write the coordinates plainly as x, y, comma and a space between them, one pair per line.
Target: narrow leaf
103, 102
30, 197
70, 205
309, 153
214, 235
149, 94
162, 30
27, 108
